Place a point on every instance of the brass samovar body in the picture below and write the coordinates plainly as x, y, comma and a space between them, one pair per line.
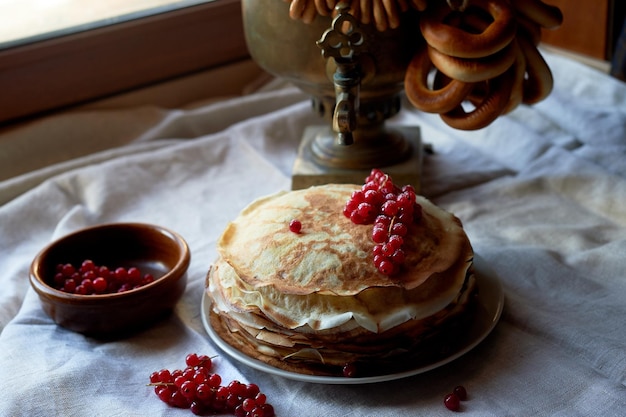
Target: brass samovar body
290, 49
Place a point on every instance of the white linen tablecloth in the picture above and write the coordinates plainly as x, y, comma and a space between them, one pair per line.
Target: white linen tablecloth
541, 193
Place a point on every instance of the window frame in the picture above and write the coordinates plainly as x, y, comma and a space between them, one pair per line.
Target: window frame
75, 69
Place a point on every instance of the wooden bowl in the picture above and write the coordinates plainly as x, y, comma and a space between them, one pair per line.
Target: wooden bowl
152, 249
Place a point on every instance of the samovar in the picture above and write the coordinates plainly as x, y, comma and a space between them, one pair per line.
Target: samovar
470, 61
354, 74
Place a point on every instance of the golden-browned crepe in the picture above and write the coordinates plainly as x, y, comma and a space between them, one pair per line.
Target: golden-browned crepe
313, 301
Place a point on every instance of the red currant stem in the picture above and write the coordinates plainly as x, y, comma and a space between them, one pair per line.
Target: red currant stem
393, 220
159, 384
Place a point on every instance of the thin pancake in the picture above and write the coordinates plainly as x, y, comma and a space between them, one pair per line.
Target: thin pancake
332, 255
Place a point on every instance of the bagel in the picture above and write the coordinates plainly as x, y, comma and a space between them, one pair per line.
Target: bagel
355, 9
324, 7
457, 42
296, 8
547, 16
304, 10
539, 81
479, 92
403, 5
419, 5
473, 70
435, 100
531, 30
380, 15
366, 11
384, 14
488, 110
392, 12
517, 91
310, 12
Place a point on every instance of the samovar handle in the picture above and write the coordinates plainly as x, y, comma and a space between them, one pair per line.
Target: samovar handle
343, 42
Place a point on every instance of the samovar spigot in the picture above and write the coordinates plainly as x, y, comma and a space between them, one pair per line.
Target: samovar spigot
343, 41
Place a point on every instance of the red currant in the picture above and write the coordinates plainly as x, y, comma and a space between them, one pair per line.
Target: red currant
214, 380
379, 234
461, 392
200, 391
395, 241
248, 404
260, 398
68, 270
295, 226
87, 265
69, 286
391, 209
366, 211
373, 197
398, 257
203, 391
452, 402
268, 410
188, 389
192, 360
134, 274
358, 196
349, 370
198, 408
90, 278
104, 271
120, 274
399, 229
165, 376
386, 267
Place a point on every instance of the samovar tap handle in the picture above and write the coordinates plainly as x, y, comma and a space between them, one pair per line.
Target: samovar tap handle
343, 42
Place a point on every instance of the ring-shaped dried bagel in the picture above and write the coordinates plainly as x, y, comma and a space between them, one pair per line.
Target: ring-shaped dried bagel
380, 15
479, 92
323, 8
296, 8
456, 41
546, 15
367, 14
403, 5
517, 90
473, 70
419, 5
310, 12
355, 9
439, 99
488, 110
539, 81
304, 10
393, 13
529, 29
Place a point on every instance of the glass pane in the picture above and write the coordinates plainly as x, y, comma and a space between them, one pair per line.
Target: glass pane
26, 21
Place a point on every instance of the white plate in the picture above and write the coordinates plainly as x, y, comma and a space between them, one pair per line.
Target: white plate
490, 304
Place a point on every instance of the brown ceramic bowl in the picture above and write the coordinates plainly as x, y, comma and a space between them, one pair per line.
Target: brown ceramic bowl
152, 249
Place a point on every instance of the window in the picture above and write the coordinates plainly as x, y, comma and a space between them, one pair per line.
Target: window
25, 21
84, 65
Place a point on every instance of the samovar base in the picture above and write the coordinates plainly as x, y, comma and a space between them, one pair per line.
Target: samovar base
306, 172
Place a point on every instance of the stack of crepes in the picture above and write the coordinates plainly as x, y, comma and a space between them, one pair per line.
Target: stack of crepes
312, 301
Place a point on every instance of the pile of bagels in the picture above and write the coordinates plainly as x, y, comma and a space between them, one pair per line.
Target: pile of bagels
477, 59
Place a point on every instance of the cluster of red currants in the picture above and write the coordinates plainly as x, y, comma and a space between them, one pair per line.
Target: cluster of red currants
453, 400
90, 278
199, 389
392, 210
